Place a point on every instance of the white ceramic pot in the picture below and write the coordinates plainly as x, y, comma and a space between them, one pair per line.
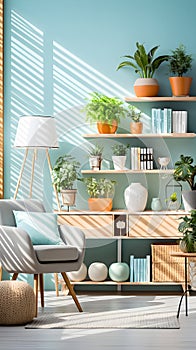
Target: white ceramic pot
119, 162
136, 196
68, 197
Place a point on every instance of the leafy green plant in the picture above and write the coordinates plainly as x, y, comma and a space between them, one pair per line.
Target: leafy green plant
101, 108
96, 151
65, 172
179, 61
119, 149
98, 188
134, 114
144, 62
185, 171
188, 228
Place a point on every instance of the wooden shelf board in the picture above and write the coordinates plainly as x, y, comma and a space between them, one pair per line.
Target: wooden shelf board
160, 99
125, 283
172, 135
128, 171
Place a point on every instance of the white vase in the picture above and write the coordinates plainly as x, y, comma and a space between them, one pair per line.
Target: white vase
135, 197
119, 162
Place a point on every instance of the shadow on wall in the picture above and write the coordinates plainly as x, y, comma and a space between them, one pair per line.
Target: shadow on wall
47, 79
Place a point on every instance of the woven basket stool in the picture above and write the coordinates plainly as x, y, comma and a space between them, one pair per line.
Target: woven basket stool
17, 303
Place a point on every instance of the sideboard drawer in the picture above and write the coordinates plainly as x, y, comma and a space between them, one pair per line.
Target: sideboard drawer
155, 226
94, 226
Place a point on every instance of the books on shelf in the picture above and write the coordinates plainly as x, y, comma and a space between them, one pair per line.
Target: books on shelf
139, 269
166, 121
141, 158
179, 124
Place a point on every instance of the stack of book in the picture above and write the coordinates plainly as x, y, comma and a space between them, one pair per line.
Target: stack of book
161, 120
141, 158
179, 122
139, 269
166, 121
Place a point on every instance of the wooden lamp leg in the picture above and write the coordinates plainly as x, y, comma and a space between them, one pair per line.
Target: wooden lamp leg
21, 172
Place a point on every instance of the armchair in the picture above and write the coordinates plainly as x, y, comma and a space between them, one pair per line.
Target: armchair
19, 255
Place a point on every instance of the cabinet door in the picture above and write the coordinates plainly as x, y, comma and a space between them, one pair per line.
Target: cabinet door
158, 226
94, 226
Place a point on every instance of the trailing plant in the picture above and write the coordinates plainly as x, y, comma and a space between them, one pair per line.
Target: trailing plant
96, 151
98, 188
134, 114
101, 108
188, 228
185, 171
119, 149
65, 172
179, 61
144, 62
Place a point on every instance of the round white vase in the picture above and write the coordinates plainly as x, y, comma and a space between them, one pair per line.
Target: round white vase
136, 196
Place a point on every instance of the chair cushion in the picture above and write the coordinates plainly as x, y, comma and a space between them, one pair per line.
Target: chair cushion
41, 227
56, 253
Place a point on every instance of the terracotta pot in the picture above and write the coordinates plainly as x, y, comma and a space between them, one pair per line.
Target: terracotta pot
180, 86
136, 127
100, 204
105, 128
146, 87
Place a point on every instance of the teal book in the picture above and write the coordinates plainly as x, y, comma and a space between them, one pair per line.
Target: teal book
131, 267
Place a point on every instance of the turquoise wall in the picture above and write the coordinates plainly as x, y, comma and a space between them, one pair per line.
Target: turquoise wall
56, 52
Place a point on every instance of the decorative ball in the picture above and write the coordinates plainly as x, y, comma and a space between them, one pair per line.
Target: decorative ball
98, 272
80, 275
119, 272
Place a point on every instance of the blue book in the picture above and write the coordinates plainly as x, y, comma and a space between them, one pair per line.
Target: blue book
154, 120
135, 270
131, 267
169, 120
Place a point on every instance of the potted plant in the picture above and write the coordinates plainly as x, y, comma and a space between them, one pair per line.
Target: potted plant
188, 227
136, 126
119, 155
145, 65
95, 157
179, 64
185, 171
64, 174
101, 192
105, 111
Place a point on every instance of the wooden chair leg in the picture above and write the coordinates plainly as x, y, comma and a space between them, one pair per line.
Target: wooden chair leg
71, 290
41, 288
56, 280
36, 292
15, 276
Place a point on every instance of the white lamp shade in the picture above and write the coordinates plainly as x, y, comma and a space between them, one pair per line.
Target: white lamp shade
36, 131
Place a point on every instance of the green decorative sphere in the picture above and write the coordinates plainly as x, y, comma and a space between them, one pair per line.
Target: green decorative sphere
119, 272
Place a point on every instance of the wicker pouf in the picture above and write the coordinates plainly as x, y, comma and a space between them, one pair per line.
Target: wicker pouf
17, 303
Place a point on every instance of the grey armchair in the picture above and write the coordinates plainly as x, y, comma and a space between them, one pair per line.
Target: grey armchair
19, 255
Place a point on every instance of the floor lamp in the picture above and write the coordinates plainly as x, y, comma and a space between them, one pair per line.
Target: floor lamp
36, 132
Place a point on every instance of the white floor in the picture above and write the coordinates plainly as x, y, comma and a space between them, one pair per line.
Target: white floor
17, 337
